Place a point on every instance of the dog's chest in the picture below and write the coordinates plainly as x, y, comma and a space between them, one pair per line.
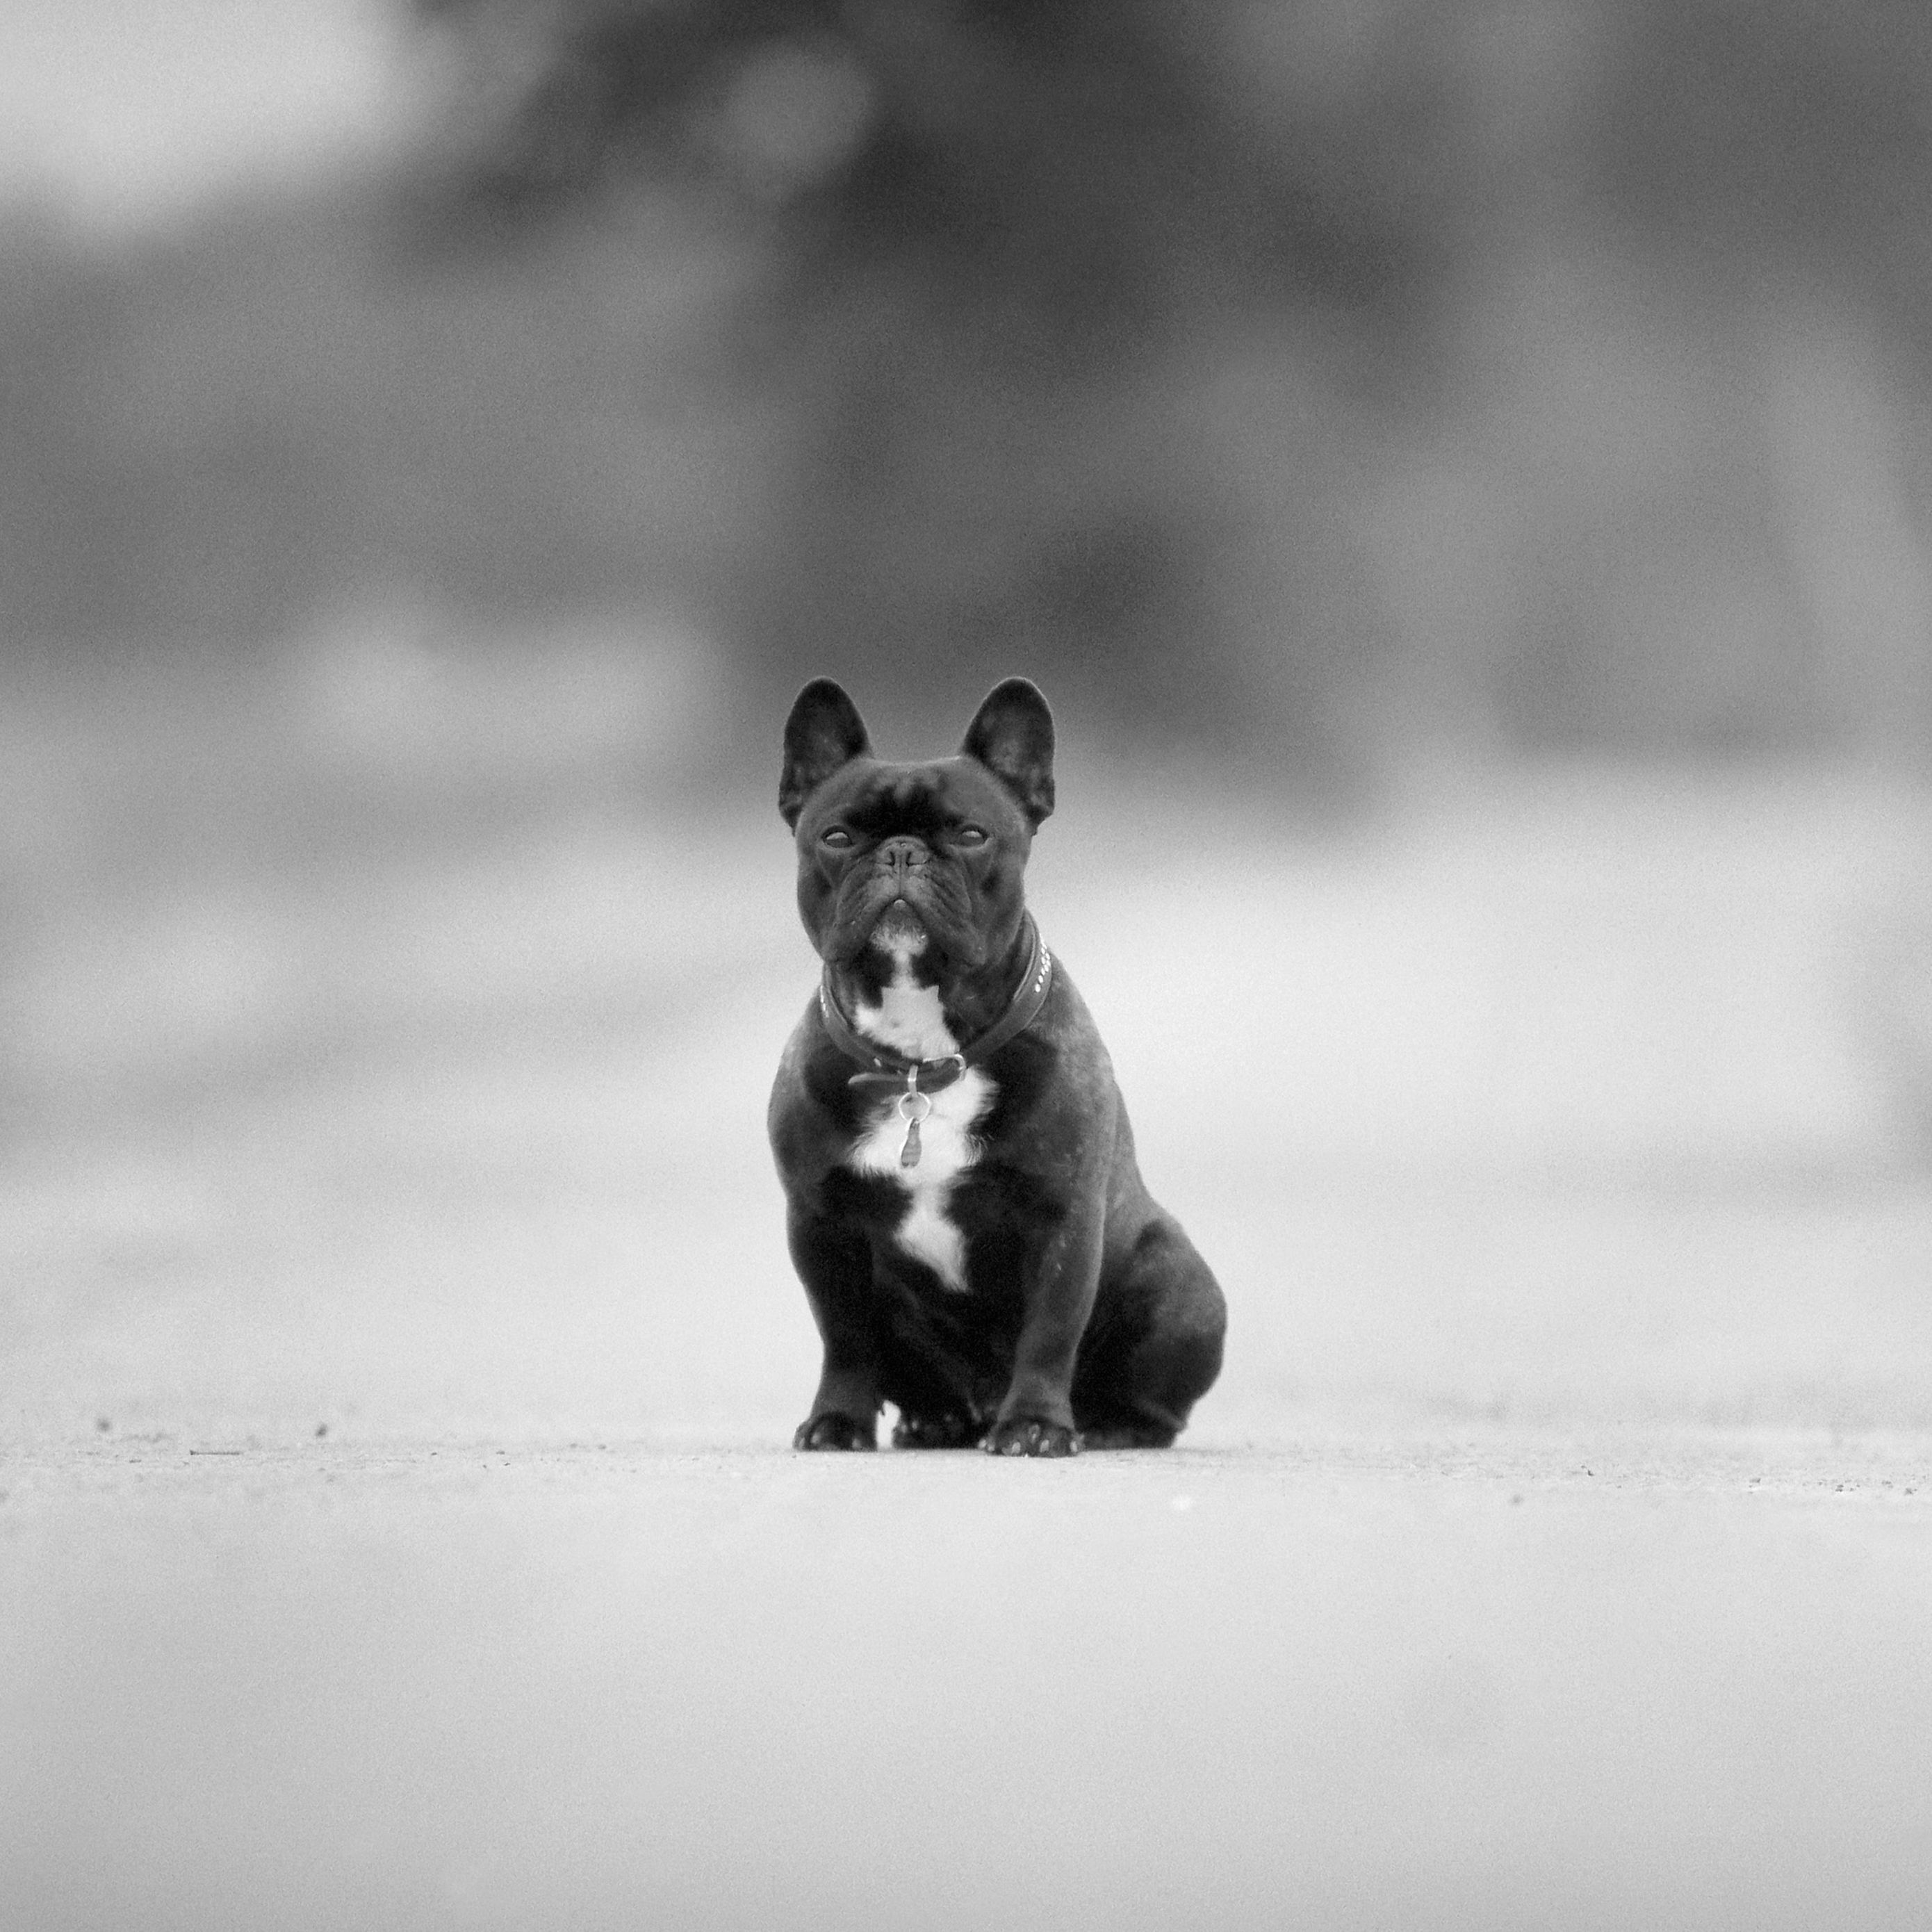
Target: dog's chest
909, 1020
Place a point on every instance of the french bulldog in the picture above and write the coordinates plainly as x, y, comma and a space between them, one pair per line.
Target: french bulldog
962, 1202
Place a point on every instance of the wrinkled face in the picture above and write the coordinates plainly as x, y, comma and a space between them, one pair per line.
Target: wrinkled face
921, 862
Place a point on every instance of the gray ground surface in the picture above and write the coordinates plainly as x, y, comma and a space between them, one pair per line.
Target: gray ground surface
1487, 1676
397, 1529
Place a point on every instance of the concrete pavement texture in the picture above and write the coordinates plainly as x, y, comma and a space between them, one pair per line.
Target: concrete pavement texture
398, 1530
1486, 1677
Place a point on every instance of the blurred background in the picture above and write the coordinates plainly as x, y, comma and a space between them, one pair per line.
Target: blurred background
1459, 470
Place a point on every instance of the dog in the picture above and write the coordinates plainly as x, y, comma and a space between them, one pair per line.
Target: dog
963, 1205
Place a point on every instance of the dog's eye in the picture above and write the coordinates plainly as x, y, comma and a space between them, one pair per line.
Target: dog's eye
970, 834
837, 836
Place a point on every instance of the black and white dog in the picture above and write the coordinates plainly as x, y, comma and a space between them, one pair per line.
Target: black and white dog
963, 1206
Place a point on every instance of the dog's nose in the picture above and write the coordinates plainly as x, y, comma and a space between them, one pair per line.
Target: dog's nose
903, 854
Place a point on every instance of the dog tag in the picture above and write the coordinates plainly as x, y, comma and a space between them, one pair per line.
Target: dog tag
909, 1153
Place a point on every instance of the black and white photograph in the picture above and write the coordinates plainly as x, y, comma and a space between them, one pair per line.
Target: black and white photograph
965, 963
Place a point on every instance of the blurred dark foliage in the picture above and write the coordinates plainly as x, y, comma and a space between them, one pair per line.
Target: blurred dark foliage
1072, 177
1266, 376
1000, 244
1794, 131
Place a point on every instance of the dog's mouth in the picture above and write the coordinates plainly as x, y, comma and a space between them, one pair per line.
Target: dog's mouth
900, 931
901, 920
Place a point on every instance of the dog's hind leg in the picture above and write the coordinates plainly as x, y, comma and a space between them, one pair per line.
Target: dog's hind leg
1160, 1352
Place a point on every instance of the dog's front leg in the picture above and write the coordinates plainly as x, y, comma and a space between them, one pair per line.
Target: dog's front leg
1036, 1418
834, 1260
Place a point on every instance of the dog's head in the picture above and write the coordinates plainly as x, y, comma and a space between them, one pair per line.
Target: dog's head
921, 863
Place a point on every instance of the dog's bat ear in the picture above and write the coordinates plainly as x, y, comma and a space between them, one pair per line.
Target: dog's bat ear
823, 733
1012, 735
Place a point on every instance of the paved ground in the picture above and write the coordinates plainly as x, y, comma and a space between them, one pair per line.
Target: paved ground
397, 1530
1483, 1676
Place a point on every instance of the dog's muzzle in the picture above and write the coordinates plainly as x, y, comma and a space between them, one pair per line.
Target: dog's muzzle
900, 929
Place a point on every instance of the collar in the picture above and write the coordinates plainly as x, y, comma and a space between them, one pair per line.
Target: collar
885, 1070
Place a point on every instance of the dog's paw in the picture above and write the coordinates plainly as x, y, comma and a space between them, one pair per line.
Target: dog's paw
1020, 1436
937, 1431
834, 1431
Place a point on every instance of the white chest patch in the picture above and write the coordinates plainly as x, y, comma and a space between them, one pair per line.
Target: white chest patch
909, 1020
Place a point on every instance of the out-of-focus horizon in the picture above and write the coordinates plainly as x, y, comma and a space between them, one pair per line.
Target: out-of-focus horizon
1313, 384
